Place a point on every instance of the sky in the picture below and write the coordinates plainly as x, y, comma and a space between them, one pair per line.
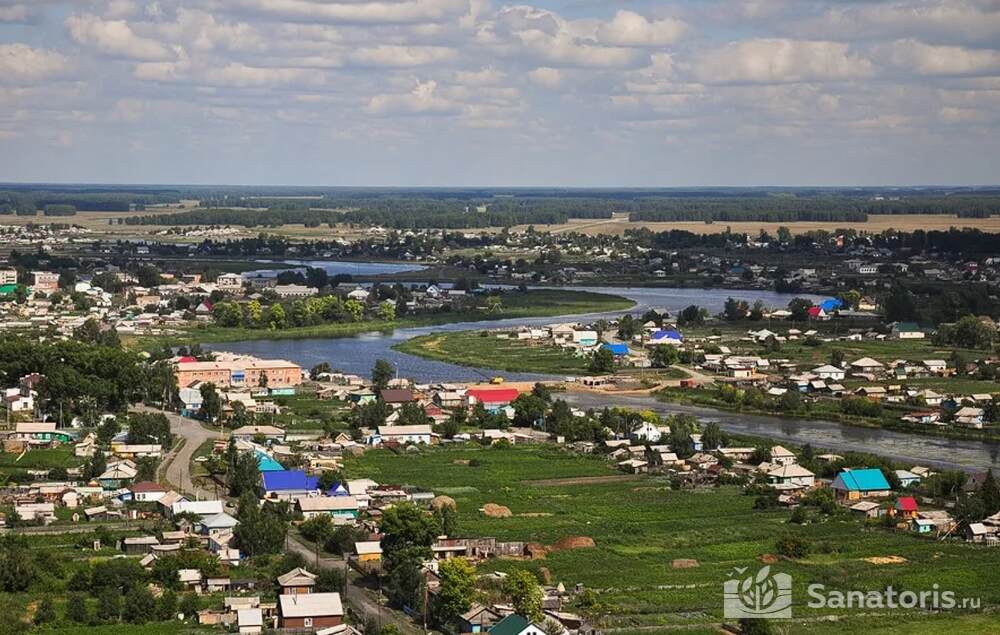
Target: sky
588, 93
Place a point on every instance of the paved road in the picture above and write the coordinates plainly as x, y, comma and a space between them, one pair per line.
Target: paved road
178, 460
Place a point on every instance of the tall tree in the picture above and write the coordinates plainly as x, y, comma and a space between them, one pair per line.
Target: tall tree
382, 373
525, 594
458, 586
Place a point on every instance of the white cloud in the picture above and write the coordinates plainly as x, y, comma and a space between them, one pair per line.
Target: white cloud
403, 56
632, 29
365, 12
116, 38
487, 76
779, 61
925, 59
20, 63
937, 20
421, 101
544, 37
544, 76
241, 75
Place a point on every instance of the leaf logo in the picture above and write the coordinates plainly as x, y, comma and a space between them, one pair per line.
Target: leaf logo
758, 595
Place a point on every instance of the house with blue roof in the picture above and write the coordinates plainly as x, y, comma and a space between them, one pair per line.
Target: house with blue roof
266, 463
618, 350
288, 484
860, 483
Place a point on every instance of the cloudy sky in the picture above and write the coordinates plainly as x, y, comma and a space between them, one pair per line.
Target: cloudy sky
480, 92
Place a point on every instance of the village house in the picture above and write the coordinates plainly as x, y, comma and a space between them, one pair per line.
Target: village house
782, 456
860, 483
791, 477
288, 484
514, 624
417, 434
298, 581
147, 492
337, 507
311, 610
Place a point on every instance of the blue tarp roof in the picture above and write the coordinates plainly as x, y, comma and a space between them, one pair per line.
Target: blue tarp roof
830, 304
867, 479
617, 349
289, 480
669, 335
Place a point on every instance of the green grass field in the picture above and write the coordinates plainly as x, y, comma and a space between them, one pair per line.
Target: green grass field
640, 526
484, 350
43, 459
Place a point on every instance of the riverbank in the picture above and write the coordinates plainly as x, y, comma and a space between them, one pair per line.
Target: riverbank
515, 305
826, 411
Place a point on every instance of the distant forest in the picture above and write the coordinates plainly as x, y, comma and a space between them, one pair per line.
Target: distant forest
459, 208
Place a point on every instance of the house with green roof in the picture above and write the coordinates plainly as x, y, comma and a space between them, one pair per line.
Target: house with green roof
906, 331
516, 625
862, 483
8, 289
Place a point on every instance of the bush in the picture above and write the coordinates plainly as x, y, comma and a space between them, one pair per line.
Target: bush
792, 547
799, 516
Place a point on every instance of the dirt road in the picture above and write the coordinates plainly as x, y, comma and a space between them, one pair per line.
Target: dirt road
176, 466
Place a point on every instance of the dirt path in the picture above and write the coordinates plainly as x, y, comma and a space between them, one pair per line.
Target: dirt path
584, 480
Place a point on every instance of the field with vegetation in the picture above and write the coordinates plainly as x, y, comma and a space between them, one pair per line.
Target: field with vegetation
482, 349
641, 525
40, 459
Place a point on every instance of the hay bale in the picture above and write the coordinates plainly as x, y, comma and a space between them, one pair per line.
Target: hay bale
768, 558
684, 563
574, 542
878, 560
442, 501
496, 511
536, 551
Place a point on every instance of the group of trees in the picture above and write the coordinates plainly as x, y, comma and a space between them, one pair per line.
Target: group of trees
307, 312
105, 592
83, 378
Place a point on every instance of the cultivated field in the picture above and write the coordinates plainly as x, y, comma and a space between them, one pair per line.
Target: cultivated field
640, 527
98, 222
875, 224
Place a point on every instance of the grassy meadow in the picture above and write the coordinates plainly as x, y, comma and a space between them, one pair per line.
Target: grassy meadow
641, 526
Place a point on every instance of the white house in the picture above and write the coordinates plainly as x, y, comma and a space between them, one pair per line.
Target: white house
829, 372
647, 431
418, 434
782, 456
791, 476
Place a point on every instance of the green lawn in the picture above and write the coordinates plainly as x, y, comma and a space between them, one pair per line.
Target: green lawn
641, 526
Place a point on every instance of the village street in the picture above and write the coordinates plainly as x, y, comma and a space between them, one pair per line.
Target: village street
177, 472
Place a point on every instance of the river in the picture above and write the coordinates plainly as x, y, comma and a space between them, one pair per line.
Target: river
357, 355
965, 454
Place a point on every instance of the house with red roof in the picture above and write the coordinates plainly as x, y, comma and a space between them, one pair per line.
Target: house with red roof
493, 399
905, 507
817, 313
